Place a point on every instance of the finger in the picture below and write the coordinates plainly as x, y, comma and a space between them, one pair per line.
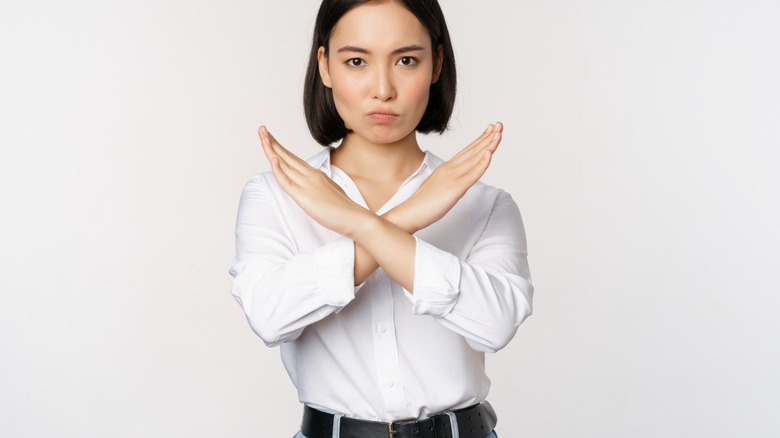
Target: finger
464, 163
485, 134
281, 176
474, 165
495, 141
270, 142
491, 136
291, 159
271, 151
472, 150
490, 142
484, 163
476, 159
479, 169
267, 150
275, 150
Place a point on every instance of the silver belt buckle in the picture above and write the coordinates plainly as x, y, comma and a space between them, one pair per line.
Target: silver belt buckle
390, 431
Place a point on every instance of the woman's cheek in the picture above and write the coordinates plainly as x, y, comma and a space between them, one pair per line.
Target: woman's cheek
345, 98
420, 92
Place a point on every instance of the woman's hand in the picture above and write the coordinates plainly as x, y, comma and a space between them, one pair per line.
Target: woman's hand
448, 183
321, 198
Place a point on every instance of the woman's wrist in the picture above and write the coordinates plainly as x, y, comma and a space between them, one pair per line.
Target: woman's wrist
390, 246
363, 225
401, 218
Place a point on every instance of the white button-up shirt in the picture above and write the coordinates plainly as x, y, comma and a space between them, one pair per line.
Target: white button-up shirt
375, 351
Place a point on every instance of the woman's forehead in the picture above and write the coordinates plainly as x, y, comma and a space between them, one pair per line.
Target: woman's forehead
382, 26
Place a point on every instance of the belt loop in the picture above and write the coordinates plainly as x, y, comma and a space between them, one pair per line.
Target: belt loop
337, 425
453, 424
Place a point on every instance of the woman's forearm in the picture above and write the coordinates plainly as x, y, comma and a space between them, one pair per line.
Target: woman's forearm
380, 242
365, 265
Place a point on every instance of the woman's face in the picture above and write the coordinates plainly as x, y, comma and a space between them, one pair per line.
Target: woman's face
380, 66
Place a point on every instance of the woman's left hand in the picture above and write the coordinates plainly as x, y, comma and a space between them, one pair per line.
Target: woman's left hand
321, 198
448, 183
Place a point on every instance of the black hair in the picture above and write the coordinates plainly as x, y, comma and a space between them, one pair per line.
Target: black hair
325, 124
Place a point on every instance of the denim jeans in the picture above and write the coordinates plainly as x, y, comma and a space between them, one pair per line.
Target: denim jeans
490, 435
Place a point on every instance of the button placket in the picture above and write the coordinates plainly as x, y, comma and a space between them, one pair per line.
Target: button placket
386, 346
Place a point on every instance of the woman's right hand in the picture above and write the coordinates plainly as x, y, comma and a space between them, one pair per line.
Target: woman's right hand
321, 198
448, 183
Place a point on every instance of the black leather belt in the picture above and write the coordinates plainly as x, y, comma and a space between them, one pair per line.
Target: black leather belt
473, 422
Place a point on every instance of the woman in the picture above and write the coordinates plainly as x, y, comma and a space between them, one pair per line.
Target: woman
383, 273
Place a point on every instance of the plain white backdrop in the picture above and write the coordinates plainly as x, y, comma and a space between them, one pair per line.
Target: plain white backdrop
642, 145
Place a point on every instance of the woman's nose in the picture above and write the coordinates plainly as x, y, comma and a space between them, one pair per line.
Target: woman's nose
384, 89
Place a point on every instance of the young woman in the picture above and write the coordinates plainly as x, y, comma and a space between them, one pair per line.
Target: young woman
384, 273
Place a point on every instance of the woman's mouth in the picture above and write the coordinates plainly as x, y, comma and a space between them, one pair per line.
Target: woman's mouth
382, 117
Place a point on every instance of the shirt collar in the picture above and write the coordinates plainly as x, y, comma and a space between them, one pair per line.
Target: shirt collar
321, 161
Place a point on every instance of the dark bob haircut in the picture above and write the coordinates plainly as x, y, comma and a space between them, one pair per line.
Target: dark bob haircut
324, 122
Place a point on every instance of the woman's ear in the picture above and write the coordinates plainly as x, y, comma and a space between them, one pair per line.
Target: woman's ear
322, 61
437, 64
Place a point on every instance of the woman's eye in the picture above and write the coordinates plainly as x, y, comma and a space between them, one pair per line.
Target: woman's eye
355, 62
407, 61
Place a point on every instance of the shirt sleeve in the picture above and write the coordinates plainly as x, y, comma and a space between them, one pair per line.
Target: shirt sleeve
488, 295
280, 289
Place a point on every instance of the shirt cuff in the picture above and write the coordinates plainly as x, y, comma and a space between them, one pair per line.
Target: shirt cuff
336, 271
436, 281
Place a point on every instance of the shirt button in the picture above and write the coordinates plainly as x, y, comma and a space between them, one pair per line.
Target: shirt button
389, 383
379, 276
381, 328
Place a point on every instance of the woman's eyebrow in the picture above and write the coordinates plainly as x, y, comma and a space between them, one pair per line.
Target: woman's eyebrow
412, 48
404, 49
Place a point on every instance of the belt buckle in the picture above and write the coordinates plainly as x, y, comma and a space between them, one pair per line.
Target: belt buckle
391, 432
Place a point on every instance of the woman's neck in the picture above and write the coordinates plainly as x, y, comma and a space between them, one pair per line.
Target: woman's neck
361, 159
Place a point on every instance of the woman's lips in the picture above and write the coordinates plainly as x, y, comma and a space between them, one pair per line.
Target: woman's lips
381, 117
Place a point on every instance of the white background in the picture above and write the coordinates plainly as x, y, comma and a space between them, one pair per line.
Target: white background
641, 145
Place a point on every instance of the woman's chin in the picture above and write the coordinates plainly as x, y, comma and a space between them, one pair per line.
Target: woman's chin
382, 135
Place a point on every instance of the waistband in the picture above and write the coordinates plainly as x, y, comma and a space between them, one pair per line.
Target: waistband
472, 422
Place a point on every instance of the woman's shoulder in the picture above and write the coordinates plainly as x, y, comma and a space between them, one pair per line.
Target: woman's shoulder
262, 181
489, 198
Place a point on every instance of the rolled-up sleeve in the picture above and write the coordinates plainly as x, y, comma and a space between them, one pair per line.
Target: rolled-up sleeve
486, 296
281, 289
436, 281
